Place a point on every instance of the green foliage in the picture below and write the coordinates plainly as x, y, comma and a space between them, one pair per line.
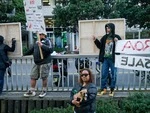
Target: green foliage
58, 50
137, 103
77, 10
107, 106
7, 8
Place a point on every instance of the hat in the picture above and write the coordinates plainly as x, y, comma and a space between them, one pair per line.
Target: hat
1, 39
43, 32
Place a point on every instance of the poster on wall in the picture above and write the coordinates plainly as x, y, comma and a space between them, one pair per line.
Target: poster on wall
88, 28
9, 31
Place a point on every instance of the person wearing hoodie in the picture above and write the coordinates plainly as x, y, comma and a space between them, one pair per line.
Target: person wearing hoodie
106, 45
4, 59
42, 66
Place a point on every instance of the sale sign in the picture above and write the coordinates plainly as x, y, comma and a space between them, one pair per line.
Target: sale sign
34, 16
132, 62
134, 46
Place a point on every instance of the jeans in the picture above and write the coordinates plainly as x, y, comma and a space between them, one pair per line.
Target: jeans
108, 63
2, 73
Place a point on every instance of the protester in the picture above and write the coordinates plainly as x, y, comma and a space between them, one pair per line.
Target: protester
42, 66
4, 59
83, 95
106, 45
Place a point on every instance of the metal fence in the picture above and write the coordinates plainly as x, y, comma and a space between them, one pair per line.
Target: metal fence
64, 74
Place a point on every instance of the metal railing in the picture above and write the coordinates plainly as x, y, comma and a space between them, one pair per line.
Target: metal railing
66, 76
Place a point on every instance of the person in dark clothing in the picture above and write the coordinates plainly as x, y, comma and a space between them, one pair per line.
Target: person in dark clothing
83, 95
106, 45
4, 59
42, 66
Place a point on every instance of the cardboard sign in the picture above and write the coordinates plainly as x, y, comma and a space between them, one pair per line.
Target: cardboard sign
9, 31
88, 28
34, 16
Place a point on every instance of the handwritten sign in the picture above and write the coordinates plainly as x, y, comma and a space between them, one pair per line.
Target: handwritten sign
134, 46
34, 16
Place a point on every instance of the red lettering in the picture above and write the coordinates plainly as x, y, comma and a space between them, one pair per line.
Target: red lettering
128, 45
137, 45
147, 43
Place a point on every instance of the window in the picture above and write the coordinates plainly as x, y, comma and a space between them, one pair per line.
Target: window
46, 2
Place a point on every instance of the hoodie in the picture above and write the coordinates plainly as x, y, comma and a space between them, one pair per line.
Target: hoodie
100, 44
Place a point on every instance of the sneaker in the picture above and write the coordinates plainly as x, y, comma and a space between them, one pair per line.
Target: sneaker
30, 93
111, 93
42, 94
102, 92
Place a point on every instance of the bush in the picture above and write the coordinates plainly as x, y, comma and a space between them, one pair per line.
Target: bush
137, 103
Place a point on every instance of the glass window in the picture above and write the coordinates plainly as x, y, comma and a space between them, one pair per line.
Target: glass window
46, 2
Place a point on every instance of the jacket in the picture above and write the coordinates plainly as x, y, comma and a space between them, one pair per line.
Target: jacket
100, 44
4, 49
46, 51
89, 105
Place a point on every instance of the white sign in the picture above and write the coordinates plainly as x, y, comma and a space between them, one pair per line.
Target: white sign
134, 46
132, 62
34, 16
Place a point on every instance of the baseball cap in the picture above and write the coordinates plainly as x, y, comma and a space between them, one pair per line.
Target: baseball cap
43, 32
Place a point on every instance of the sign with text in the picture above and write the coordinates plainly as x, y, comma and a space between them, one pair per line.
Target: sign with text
34, 16
134, 46
132, 62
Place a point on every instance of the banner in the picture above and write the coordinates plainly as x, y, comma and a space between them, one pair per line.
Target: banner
132, 62
134, 46
34, 16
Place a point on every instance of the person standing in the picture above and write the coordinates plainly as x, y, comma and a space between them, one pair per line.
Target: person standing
87, 104
106, 45
4, 59
42, 66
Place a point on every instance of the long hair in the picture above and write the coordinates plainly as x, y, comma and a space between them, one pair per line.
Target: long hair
91, 78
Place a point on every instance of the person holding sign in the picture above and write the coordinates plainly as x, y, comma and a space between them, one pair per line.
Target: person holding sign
42, 47
4, 60
106, 45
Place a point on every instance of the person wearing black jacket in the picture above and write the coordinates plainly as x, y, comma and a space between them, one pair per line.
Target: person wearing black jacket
42, 66
84, 103
4, 60
106, 45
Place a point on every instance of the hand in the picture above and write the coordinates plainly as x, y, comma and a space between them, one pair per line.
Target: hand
76, 103
39, 43
13, 40
94, 38
115, 39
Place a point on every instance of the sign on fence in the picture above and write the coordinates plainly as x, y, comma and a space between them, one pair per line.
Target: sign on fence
9, 31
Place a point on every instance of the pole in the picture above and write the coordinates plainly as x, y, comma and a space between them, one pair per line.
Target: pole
41, 53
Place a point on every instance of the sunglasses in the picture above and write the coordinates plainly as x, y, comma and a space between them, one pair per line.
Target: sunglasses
84, 75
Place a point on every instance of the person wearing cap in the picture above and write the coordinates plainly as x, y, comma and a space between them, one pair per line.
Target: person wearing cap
42, 66
106, 45
85, 103
4, 59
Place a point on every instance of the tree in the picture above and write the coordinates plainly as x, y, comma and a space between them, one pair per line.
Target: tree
137, 12
12, 12
77, 10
